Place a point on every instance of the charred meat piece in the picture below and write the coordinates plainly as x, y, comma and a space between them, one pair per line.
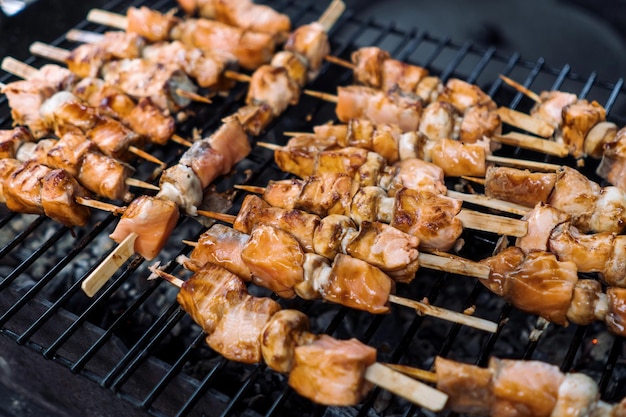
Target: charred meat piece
331, 371
152, 219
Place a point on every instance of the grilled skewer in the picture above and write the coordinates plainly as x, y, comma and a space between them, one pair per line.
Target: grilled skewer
330, 235
244, 14
418, 209
378, 107
552, 230
94, 59
252, 49
374, 67
539, 388
292, 270
455, 158
205, 160
168, 88
592, 208
100, 174
144, 117
33, 188
325, 370
538, 283
578, 124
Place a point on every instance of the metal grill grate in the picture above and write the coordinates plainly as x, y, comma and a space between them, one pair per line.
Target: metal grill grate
133, 339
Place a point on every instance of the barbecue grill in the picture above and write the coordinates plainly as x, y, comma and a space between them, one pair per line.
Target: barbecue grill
131, 350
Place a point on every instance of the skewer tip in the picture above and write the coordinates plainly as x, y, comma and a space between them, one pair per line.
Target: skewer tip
251, 188
172, 279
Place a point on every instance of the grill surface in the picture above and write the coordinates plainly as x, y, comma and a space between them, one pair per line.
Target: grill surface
133, 340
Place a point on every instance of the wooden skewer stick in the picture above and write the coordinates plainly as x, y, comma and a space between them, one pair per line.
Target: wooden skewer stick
526, 122
338, 61
145, 155
193, 96
530, 94
533, 143
477, 180
134, 182
96, 280
523, 163
331, 14
493, 203
442, 313
294, 134
83, 36
100, 205
430, 310
416, 373
180, 140
51, 52
454, 265
237, 76
377, 373
106, 18
491, 223
331, 98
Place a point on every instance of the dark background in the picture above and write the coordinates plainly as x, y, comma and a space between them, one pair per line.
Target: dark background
590, 35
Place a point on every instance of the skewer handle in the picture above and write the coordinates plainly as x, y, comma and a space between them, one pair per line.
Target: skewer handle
96, 280
495, 224
18, 68
331, 14
533, 143
405, 387
49, 51
106, 18
454, 265
76, 35
494, 203
526, 122
522, 163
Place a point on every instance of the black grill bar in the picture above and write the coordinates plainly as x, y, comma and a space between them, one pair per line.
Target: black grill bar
171, 373
202, 388
484, 61
108, 334
535, 70
67, 294
19, 238
614, 93
128, 358
611, 360
17, 306
455, 62
143, 354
